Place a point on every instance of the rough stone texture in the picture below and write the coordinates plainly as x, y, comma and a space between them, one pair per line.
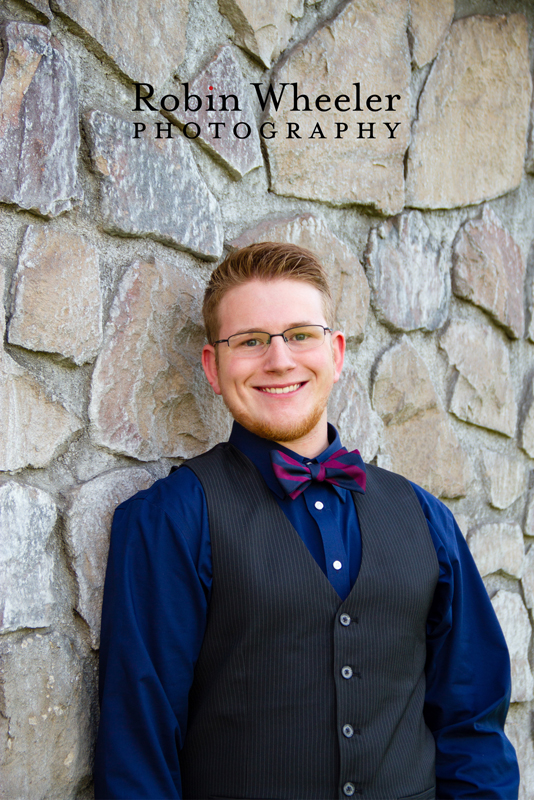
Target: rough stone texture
46, 708
145, 40
497, 547
518, 729
469, 138
42, 6
489, 270
513, 618
418, 440
506, 479
408, 275
153, 187
263, 29
39, 134
529, 160
529, 517
429, 24
33, 429
88, 518
349, 409
527, 579
527, 428
27, 519
347, 279
351, 169
483, 393
146, 400
223, 76
58, 303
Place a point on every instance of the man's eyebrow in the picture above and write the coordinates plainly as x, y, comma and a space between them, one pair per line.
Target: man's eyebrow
260, 330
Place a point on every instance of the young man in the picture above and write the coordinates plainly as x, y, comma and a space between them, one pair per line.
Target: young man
281, 620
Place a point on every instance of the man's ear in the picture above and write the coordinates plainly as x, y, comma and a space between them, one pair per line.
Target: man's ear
209, 363
338, 351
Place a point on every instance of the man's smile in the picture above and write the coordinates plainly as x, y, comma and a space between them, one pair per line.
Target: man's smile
292, 387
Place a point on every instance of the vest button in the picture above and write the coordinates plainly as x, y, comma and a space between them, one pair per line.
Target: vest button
348, 789
346, 672
345, 619
348, 731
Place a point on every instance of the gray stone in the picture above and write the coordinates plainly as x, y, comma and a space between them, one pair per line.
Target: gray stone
489, 271
90, 509
529, 517
349, 409
515, 624
58, 303
27, 519
346, 170
469, 139
347, 279
429, 24
518, 730
152, 187
263, 29
145, 40
39, 134
418, 440
497, 547
223, 76
527, 427
408, 275
506, 479
47, 708
527, 579
483, 393
42, 6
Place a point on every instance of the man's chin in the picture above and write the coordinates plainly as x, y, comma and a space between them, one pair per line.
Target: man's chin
282, 431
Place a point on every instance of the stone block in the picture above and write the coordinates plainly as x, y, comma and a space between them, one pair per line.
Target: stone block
469, 139
152, 187
147, 396
263, 29
429, 24
527, 426
527, 579
515, 624
49, 712
39, 137
489, 271
229, 143
58, 303
418, 440
349, 409
506, 479
42, 6
90, 509
518, 729
27, 519
351, 168
347, 279
497, 547
408, 275
483, 393
145, 40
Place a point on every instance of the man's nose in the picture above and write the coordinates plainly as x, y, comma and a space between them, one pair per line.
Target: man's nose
278, 356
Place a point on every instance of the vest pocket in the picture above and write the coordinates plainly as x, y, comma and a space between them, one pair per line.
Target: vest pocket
428, 794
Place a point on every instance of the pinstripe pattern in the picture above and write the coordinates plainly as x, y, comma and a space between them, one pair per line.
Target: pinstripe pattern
269, 701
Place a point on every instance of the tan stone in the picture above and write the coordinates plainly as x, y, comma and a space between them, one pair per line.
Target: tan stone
527, 427
408, 275
497, 547
515, 624
58, 303
483, 393
145, 40
349, 409
263, 29
418, 440
506, 478
346, 170
469, 138
429, 24
518, 730
347, 279
527, 579
489, 270
90, 509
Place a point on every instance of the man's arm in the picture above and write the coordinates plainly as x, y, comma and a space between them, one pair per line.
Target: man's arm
468, 673
153, 622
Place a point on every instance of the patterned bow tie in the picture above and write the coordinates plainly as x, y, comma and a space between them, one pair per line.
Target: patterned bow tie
342, 469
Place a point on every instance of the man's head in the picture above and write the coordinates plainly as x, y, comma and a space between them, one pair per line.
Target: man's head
277, 391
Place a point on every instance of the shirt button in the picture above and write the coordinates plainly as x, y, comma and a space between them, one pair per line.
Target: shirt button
348, 789
346, 672
319, 506
348, 731
345, 619
337, 564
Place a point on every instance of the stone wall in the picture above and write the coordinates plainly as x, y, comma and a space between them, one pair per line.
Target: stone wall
106, 242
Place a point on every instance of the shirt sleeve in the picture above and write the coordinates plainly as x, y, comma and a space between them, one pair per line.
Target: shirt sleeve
468, 673
153, 621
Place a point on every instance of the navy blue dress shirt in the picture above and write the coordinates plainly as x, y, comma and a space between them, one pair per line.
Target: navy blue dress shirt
156, 602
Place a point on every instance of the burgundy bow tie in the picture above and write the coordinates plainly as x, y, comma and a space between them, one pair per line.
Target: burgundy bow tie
342, 469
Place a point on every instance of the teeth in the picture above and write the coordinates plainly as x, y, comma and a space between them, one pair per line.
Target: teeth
285, 390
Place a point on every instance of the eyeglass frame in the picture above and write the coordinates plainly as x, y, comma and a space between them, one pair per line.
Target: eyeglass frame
272, 335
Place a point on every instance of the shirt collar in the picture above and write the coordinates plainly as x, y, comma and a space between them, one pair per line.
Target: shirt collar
258, 450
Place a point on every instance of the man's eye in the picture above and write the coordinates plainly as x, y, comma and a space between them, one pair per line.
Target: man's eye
251, 343
299, 337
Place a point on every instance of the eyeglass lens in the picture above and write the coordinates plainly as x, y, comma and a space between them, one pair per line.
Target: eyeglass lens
304, 337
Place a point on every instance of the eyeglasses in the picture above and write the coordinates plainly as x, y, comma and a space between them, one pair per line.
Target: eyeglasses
256, 343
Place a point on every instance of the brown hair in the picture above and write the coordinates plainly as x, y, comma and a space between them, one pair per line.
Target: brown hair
263, 261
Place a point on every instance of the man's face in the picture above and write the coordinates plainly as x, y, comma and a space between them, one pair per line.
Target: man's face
296, 416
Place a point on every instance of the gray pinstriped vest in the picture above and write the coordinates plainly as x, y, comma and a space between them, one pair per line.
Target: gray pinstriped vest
297, 694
